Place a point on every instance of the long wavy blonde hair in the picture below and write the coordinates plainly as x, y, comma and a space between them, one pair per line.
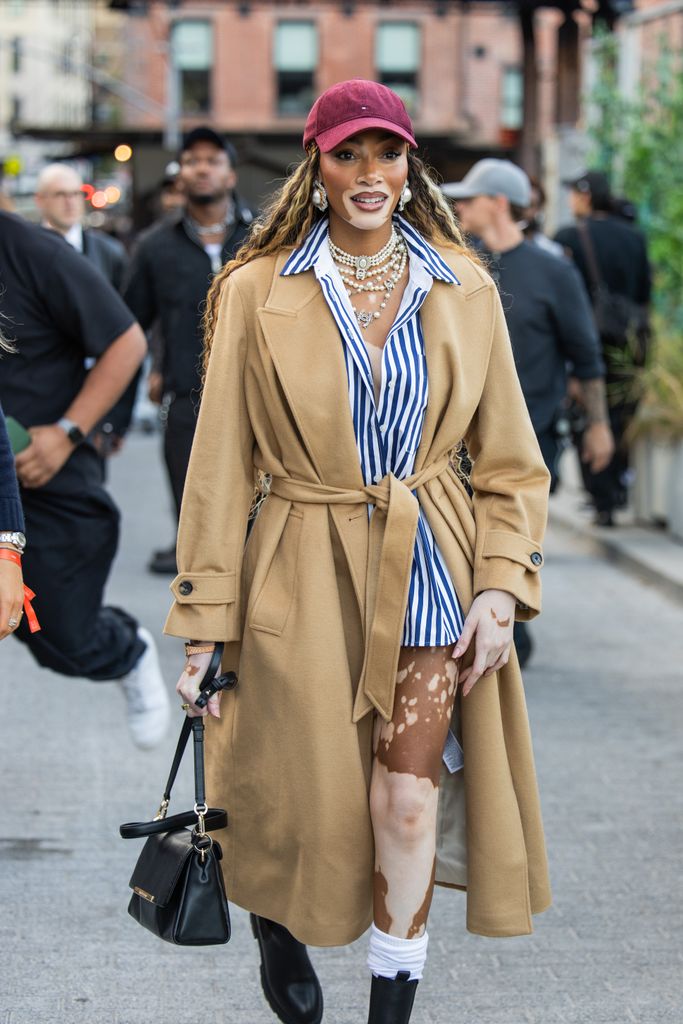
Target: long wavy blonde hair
290, 215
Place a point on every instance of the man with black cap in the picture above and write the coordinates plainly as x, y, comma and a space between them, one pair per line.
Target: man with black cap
547, 312
168, 281
611, 256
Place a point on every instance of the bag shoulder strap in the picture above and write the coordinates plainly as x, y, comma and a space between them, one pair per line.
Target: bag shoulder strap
589, 252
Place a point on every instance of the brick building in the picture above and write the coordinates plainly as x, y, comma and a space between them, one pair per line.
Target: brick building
252, 69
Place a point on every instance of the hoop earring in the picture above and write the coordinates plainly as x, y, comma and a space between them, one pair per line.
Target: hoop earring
406, 196
319, 197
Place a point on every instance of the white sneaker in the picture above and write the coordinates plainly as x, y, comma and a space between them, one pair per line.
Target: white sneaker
149, 708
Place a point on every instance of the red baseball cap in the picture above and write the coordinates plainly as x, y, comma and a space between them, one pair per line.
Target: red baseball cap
354, 106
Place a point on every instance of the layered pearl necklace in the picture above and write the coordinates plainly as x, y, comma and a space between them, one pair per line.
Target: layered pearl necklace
378, 273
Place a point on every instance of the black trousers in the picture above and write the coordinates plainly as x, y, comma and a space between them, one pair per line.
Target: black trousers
72, 529
608, 488
178, 436
550, 446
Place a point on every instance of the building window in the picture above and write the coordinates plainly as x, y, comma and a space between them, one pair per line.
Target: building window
17, 54
296, 58
16, 110
192, 55
397, 58
512, 99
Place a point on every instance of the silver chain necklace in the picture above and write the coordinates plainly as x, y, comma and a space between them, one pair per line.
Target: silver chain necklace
208, 229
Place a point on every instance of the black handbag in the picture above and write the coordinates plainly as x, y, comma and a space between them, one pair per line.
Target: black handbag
177, 883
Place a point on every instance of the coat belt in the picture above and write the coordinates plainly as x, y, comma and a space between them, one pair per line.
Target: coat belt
393, 526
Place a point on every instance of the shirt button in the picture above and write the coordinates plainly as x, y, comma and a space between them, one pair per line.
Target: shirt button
382, 429
185, 588
536, 558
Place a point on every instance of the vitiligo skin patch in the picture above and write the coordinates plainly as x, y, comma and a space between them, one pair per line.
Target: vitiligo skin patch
501, 622
408, 752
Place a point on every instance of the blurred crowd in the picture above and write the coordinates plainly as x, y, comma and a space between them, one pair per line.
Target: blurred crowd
92, 329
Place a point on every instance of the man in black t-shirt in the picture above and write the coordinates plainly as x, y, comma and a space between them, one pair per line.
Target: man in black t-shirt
610, 253
546, 308
59, 311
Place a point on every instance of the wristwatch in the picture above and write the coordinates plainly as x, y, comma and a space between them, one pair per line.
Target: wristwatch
72, 431
16, 539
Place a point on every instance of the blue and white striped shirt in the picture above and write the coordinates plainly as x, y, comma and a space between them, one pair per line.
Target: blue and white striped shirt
388, 432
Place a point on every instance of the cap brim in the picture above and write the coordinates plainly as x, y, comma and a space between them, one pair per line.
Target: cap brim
333, 136
459, 190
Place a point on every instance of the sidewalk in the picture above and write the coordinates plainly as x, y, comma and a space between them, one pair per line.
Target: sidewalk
606, 715
649, 552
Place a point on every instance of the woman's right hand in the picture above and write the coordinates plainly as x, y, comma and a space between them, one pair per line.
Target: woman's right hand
187, 687
11, 597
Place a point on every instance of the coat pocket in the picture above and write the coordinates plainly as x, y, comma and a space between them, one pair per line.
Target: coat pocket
272, 606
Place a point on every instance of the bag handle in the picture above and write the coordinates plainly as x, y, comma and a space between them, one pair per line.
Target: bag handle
210, 818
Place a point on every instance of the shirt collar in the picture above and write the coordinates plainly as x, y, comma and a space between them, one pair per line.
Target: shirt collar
306, 255
74, 237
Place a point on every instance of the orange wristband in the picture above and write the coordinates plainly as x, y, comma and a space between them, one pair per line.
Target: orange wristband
31, 618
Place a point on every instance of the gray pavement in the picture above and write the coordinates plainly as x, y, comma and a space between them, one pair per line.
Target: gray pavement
604, 696
651, 552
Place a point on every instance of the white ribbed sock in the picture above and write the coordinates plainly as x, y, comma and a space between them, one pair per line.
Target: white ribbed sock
388, 955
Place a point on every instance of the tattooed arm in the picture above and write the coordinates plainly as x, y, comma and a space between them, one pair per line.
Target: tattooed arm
598, 443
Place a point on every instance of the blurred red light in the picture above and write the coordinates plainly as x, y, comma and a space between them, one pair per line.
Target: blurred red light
87, 191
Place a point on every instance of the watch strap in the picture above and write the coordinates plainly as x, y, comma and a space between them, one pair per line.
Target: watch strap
199, 649
72, 430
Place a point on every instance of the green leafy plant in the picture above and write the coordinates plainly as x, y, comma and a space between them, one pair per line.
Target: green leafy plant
639, 145
659, 388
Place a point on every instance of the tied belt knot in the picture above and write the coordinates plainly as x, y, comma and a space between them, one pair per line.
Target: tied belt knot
393, 526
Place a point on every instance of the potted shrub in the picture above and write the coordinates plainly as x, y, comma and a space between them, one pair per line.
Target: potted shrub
657, 434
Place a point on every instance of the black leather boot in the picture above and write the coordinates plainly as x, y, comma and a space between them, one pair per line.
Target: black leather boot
391, 999
289, 982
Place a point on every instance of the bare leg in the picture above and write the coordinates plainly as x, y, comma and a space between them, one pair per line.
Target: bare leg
404, 789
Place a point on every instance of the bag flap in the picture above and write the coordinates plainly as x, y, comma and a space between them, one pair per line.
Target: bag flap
160, 866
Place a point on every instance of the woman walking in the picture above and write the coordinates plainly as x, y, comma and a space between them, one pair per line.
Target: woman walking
351, 346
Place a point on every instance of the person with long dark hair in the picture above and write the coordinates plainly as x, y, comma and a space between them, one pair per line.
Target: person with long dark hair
355, 352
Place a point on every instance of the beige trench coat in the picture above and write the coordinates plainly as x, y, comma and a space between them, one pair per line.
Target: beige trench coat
311, 610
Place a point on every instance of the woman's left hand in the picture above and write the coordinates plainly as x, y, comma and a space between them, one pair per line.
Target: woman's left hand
490, 623
11, 597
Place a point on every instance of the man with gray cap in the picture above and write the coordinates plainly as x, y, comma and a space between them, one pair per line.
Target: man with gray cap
546, 308
547, 311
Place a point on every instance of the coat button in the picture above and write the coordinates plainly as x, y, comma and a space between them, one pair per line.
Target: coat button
536, 558
185, 588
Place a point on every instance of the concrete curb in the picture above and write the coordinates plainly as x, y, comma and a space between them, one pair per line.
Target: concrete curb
647, 552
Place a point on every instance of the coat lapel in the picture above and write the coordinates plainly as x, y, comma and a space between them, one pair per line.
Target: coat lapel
304, 343
456, 365
306, 349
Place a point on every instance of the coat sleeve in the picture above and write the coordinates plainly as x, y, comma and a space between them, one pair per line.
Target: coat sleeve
509, 480
218, 492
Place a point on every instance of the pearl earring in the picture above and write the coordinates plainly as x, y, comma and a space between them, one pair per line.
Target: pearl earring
406, 196
319, 197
